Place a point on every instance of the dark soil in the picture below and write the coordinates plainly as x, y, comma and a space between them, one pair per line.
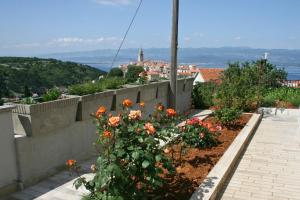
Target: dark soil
196, 164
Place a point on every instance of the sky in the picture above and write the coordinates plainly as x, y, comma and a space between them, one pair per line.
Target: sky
36, 27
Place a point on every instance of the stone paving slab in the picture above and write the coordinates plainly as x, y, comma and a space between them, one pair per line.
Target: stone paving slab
57, 187
270, 167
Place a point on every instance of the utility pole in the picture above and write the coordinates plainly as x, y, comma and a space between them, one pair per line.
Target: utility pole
174, 46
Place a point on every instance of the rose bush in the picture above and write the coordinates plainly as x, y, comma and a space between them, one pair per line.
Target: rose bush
130, 157
196, 133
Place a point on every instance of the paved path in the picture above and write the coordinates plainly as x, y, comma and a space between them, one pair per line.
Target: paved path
57, 187
270, 167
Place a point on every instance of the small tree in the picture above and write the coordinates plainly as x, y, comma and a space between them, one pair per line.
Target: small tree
27, 92
115, 72
133, 73
3, 86
243, 84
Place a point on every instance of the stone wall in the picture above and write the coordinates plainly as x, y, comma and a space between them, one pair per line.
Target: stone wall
46, 135
8, 165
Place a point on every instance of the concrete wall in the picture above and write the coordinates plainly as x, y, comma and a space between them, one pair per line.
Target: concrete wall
8, 167
44, 149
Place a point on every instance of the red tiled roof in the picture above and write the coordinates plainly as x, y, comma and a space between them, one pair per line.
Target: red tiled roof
152, 73
211, 74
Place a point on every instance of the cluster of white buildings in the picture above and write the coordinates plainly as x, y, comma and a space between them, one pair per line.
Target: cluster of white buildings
160, 69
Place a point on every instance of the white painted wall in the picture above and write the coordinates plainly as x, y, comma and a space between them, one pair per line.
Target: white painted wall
198, 78
8, 168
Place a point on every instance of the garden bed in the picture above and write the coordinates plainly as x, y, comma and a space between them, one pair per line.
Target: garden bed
196, 163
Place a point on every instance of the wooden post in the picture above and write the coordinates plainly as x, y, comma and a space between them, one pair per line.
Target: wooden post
174, 46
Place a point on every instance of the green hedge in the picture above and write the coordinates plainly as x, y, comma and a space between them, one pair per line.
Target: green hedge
98, 86
203, 95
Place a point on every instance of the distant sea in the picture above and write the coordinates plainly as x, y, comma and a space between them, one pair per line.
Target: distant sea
293, 71
202, 57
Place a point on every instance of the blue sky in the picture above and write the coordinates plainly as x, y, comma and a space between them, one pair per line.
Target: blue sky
33, 27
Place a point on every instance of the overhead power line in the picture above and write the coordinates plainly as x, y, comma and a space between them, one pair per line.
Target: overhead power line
126, 33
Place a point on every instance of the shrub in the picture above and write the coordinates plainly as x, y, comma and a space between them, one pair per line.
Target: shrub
243, 84
51, 95
27, 92
132, 73
227, 116
196, 133
1, 102
98, 86
130, 160
115, 72
274, 96
28, 100
112, 83
85, 88
203, 95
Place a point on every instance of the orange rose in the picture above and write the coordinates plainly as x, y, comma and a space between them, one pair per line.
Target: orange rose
171, 112
114, 121
106, 134
135, 114
101, 110
150, 128
212, 129
142, 104
127, 103
71, 163
207, 125
160, 107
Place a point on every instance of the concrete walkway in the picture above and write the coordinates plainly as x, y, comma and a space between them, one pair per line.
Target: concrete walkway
270, 167
57, 187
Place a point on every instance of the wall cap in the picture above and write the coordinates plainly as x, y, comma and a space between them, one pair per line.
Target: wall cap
6, 108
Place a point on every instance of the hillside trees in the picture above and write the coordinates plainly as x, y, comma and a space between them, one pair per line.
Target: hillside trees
133, 73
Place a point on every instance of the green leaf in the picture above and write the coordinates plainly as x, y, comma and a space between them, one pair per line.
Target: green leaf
158, 158
141, 140
130, 148
135, 155
145, 163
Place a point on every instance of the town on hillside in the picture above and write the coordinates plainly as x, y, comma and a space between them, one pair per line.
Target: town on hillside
156, 70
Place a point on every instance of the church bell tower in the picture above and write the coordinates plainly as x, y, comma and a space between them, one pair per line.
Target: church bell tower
141, 55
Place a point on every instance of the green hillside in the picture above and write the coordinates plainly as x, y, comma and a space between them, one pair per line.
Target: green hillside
40, 74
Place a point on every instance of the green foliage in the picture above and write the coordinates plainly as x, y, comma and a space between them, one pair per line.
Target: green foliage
1, 101
112, 83
243, 84
133, 72
203, 95
85, 88
227, 116
51, 95
3, 83
42, 74
115, 72
28, 100
274, 96
197, 134
98, 86
27, 92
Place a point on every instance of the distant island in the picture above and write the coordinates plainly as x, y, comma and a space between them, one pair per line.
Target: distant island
17, 73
